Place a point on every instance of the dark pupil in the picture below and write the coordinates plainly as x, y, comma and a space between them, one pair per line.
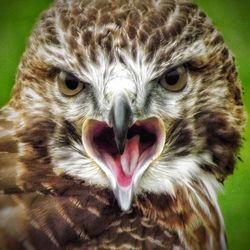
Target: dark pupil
71, 82
172, 77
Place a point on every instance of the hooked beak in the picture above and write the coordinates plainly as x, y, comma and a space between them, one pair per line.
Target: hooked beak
121, 118
124, 148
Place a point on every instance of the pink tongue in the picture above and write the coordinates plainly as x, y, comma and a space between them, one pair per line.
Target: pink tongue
124, 166
130, 157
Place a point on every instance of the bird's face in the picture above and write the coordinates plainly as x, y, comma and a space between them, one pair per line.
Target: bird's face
144, 99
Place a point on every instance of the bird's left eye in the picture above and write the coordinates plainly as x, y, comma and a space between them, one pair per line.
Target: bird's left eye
69, 84
175, 79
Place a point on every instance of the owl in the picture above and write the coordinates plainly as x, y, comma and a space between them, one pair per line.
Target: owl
125, 119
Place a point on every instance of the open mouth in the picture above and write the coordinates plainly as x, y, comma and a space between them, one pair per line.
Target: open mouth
144, 143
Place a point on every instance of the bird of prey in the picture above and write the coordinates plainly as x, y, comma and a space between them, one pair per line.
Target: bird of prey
124, 121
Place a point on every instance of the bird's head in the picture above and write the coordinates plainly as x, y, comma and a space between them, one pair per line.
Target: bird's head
142, 97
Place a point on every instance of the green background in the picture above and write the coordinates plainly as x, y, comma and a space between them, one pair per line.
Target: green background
231, 17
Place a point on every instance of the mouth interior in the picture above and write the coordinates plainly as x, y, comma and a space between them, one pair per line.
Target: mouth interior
141, 145
105, 140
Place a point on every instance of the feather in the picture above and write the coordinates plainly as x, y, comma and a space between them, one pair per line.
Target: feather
54, 194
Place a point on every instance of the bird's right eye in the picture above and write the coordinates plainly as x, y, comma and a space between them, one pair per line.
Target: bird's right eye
69, 84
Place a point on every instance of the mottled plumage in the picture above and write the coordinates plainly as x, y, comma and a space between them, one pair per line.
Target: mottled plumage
55, 190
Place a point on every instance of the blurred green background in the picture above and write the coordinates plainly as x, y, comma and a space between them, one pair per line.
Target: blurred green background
231, 17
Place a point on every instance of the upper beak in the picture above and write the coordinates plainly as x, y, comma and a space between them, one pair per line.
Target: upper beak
121, 118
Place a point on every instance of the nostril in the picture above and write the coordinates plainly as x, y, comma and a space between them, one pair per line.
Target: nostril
132, 97
108, 97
